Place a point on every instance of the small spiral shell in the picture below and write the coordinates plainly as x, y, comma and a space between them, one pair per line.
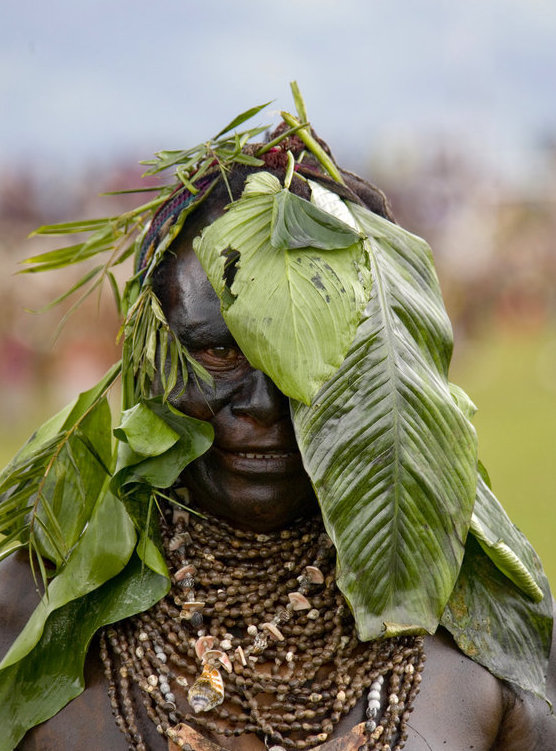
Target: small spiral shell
208, 690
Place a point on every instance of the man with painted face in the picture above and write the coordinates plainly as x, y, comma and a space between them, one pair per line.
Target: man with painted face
254, 647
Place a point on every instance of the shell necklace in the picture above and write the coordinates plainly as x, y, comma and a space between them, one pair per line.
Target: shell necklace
254, 637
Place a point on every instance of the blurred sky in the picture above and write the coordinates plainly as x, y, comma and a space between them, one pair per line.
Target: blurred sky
86, 80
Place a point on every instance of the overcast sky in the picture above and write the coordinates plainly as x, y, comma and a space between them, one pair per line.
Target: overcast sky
86, 80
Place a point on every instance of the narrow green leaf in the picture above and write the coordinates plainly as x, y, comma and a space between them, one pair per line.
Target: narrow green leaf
247, 115
282, 137
184, 178
54, 259
80, 283
49, 542
315, 148
10, 545
76, 472
7, 520
298, 100
84, 438
65, 228
15, 500
127, 191
250, 161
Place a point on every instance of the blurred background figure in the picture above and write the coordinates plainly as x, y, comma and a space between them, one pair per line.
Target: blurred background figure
449, 108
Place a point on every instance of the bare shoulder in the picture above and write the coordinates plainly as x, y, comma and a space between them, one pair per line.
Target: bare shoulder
460, 705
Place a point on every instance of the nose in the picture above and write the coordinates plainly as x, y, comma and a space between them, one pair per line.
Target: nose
260, 399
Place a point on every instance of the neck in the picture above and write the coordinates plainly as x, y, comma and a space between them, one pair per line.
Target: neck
259, 519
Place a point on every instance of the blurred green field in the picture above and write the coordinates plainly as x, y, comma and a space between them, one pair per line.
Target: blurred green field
512, 380
511, 377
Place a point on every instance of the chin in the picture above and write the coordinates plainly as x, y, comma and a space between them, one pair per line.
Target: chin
251, 505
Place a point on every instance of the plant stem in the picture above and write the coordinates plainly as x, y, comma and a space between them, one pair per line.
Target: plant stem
298, 100
314, 146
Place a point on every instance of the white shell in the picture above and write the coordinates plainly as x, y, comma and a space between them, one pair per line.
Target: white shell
188, 570
299, 601
274, 631
241, 654
203, 644
222, 657
180, 514
314, 574
188, 608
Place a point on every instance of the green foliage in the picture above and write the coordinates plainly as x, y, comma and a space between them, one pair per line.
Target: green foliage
504, 544
293, 309
394, 465
49, 489
496, 624
45, 680
342, 310
151, 349
102, 552
156, 442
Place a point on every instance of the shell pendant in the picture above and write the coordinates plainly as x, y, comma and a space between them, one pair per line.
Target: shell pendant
208, 690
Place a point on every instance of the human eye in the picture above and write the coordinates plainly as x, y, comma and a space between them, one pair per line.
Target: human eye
220, 358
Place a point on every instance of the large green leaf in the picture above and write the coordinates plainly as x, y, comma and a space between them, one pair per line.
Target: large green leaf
390, 454
505, 545
72, 487
293, 311
145, 432
39, 685
497, 625
101, 554
49, 489
50, 431
296, 223
157, 442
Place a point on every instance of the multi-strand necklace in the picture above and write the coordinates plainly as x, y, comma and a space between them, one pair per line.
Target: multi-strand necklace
257, 638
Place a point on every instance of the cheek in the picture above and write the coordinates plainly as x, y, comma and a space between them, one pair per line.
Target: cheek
203, 400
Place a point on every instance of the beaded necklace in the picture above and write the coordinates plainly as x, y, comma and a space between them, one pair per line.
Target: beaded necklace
255, 634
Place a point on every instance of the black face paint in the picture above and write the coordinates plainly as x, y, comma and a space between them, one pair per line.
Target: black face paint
253, 474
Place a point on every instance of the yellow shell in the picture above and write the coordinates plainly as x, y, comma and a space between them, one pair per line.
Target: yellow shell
208, 690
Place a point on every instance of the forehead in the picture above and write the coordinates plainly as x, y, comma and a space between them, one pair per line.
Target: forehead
192, 306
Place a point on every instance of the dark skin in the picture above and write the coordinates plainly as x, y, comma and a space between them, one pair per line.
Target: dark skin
460, 706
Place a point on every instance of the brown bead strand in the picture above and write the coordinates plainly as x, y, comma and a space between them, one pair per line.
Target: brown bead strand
244, 579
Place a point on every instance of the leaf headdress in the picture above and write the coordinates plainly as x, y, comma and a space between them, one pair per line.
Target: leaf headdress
341, 308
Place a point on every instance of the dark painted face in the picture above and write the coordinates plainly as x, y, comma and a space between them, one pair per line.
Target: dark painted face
253, 474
